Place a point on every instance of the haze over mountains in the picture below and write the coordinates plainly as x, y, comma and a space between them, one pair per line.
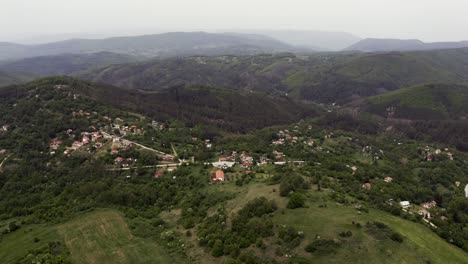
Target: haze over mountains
312, 39
161, 45
373, 45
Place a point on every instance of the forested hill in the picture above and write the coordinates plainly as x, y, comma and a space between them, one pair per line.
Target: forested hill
326, 77
235, 111
426, 102
7, 78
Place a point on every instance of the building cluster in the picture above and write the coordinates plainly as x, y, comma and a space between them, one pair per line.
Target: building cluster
430, 154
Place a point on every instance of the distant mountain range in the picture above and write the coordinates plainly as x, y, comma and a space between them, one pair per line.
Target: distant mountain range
161, 45
374, 45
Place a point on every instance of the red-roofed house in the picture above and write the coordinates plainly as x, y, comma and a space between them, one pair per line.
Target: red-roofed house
118, 160
218, 176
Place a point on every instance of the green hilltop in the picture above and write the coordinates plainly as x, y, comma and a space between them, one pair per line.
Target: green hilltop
429, 101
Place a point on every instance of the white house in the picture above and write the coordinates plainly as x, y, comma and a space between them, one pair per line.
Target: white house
223, 164
405, 204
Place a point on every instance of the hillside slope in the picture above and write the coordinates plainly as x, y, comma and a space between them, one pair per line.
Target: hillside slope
431, 101
8, 78
235, 111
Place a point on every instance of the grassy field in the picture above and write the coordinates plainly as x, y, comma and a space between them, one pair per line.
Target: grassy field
420, 245
16, 245
104, 237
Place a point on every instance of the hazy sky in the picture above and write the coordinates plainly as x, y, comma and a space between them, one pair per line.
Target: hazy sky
429, 20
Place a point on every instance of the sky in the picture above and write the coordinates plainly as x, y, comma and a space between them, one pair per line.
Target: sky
428, 20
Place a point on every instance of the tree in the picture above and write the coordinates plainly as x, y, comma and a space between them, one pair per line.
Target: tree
218, 249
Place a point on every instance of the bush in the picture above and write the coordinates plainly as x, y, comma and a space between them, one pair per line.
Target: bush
297, 200
346, 234
322, 245
12, 226
396, 237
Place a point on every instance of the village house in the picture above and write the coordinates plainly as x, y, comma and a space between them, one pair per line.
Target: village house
114, 151
263, 161
424, 213
217, 176
225, 159
223, 164
457, 183
278, 142
278, 155
429, 205
85, 140
3, 152
77, 144
68, 151
55, 144
168, 157
246, 158
367, 186
5, 127
246, 165
405, 204
388, 179
118, 160
280, 163
158, 174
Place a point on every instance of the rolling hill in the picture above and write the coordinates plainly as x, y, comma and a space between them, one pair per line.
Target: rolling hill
374, 45
160, 45
325, 77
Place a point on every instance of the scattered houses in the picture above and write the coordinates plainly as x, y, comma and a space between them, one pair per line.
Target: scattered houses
388, 179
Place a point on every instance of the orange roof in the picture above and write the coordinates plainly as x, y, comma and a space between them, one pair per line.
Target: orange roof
219, 175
